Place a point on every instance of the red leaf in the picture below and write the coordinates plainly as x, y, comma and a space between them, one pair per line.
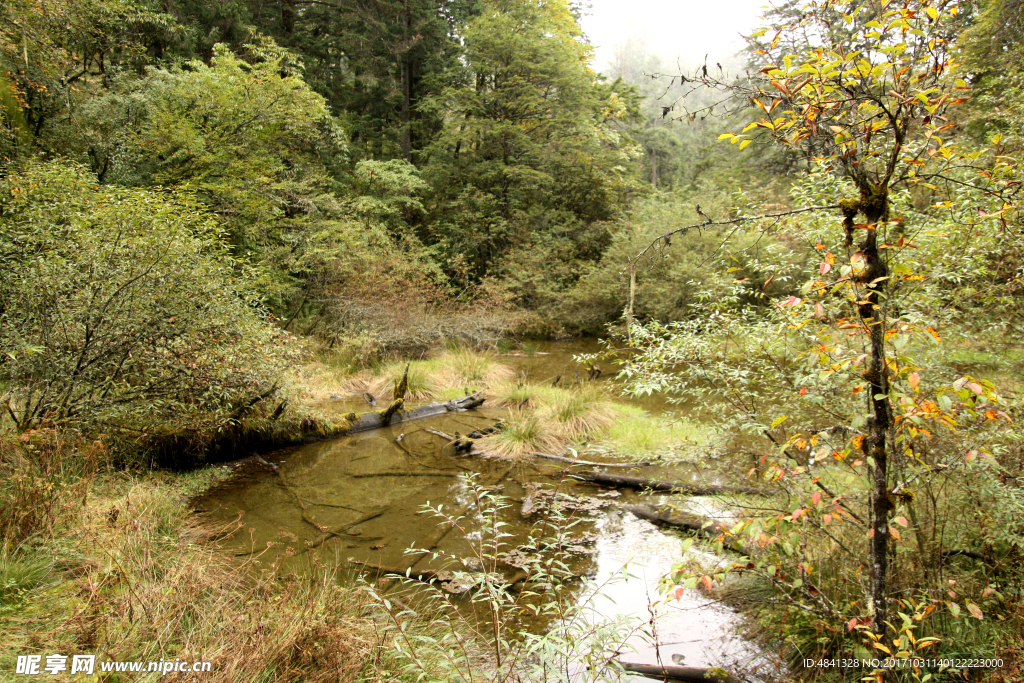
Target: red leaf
824, 267
707, 582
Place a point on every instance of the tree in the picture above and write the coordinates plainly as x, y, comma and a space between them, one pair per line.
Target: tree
530, 148
873, 88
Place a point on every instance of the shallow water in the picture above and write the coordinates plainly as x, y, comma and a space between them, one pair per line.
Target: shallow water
360, 499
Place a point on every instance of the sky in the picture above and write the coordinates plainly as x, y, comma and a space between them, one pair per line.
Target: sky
674, 28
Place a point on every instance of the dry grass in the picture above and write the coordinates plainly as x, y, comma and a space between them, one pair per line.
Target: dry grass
315, 382
578, 414
523, 433
453, 373
134, 578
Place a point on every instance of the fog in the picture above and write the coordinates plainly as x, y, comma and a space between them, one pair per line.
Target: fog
674, 29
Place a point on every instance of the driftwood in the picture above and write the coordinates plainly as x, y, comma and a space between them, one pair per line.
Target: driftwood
369, 475
638, 483
702, 526
393, 415
420, 575
587, 463
343, 529
685, 674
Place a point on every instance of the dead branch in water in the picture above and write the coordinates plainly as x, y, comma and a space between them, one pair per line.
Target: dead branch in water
618, 481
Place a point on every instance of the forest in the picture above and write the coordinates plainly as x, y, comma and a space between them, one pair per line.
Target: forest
789, 283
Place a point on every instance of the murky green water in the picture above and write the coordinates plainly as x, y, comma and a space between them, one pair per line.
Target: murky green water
360, 499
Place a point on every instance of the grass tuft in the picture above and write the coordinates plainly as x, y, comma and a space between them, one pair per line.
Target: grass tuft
578, 414
448, 376
524, 432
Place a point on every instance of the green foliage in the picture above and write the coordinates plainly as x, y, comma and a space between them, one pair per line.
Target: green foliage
881, 444
531, 157
121, 309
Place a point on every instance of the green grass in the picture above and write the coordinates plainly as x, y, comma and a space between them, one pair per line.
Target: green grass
635, 433
21, 571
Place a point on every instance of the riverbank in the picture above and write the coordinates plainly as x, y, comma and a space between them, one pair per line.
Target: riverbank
120, 568
119, 564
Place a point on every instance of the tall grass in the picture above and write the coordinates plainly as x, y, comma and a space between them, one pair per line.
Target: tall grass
131, 576
44, 477
577, 414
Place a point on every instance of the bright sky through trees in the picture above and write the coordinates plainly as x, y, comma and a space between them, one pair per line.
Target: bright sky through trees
688, 29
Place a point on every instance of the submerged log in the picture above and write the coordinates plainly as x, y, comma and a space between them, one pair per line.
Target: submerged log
685, 674
588, 463
394, 414
702, 526
640, 484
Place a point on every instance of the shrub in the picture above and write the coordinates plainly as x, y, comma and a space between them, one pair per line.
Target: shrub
120, 309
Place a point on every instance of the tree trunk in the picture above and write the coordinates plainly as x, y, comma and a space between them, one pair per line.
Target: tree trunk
874, 204
654, 168
288, 16
405, 67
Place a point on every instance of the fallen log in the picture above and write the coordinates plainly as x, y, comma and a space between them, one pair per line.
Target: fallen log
392, 416
424, 575
685, 674
640, 484
701, 526
370, 475
588, 463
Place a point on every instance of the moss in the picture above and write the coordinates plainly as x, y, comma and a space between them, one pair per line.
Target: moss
389, 412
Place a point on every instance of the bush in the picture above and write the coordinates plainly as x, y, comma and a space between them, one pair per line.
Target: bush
119, 310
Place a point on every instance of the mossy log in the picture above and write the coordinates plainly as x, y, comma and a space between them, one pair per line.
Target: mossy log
701, 526
640, 484
685, 674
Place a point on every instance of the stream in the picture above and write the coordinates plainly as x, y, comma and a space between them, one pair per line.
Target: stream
359, 498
